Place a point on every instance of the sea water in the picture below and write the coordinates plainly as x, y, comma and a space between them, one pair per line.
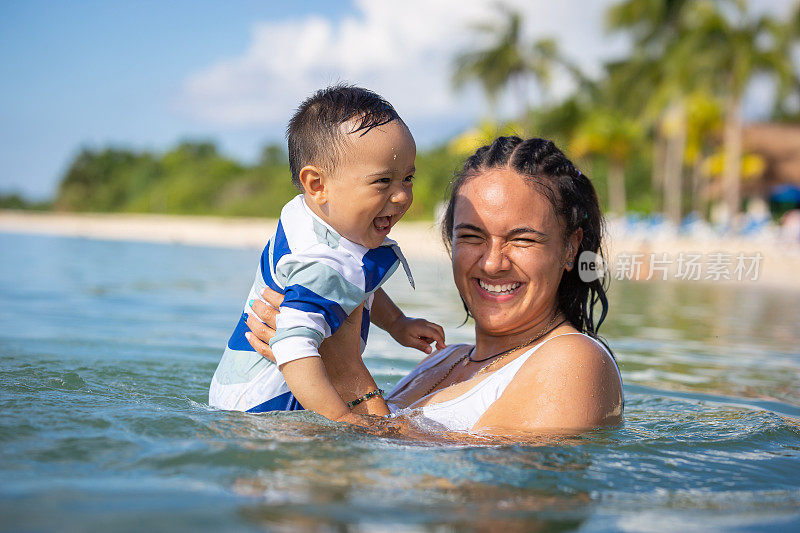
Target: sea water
107, 350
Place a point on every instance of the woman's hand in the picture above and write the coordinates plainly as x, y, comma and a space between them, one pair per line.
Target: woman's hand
263, 330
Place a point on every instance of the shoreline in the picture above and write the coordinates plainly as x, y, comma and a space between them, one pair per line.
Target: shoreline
418, 239
633, 256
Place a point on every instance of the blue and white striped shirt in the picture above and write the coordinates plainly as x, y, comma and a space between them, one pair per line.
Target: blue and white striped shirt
324, 277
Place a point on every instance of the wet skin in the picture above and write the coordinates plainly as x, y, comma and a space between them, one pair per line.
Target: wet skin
509, 252
370, 189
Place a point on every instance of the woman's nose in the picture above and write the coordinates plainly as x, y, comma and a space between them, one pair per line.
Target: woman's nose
495, 260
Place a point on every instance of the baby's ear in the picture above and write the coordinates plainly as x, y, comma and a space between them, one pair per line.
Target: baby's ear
313, 180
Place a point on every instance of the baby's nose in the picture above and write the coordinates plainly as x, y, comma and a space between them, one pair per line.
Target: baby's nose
401, 196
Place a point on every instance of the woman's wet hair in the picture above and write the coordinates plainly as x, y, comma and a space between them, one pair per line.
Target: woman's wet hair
572, 196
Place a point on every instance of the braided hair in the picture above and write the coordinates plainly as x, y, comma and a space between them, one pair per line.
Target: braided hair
572, 196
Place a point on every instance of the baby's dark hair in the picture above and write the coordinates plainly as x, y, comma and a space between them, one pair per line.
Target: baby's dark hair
572, 196
314, 132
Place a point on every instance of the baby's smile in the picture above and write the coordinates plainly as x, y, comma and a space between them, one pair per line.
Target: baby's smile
382, 223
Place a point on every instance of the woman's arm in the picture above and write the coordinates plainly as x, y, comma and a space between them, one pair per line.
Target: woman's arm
570, 384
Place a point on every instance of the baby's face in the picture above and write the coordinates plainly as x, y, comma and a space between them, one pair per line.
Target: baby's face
372, 187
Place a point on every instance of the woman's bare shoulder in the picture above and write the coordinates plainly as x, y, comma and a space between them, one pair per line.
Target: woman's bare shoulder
570, 382
572, 350
573, 373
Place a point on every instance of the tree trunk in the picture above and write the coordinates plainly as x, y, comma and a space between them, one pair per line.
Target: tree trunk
616, 187
520, 85
658, 161
673, 168
732, 139
699, 189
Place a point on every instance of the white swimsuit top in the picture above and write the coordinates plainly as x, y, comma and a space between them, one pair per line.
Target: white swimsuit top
461, 413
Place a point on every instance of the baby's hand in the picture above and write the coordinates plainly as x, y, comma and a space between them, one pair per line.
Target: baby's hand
417, 333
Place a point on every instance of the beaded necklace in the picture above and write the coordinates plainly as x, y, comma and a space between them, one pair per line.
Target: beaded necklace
468, 357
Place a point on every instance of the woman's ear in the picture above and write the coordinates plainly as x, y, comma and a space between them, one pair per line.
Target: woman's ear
314, 180
573, 244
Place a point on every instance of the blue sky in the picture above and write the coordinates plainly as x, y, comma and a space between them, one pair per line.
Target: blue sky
146, 74
96, 73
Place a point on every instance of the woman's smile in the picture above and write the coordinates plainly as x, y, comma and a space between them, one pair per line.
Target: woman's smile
497, 290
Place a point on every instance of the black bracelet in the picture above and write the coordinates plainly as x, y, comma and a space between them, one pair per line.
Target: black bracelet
367, 396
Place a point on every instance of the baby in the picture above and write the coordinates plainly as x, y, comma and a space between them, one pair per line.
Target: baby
352, 159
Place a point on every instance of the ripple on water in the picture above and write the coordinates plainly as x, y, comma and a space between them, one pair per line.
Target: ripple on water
105, 423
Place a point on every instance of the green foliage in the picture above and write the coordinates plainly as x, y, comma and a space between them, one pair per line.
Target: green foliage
559, 122
690, 56
435, 169
17, 201
194, 178
495, 66
510, 59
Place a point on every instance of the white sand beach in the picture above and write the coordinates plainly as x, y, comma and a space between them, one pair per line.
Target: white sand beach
769, 262
418, 239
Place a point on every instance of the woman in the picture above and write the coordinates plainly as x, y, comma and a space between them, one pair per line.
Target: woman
519, 215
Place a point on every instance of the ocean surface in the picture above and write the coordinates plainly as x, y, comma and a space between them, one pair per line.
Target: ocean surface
107, 350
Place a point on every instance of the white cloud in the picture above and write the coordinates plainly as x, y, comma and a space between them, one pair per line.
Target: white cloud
402, 50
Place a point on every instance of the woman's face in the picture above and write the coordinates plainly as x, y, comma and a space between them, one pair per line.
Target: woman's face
509, 253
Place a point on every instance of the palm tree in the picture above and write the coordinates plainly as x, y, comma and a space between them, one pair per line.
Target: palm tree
605, 134
628, 88
788, 82
652, 90
650, 22
542, 59
652, 85
500, 63
704, 113
508, 60
709, 45
730, 51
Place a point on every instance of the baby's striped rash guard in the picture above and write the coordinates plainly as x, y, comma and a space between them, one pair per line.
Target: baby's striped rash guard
324, 277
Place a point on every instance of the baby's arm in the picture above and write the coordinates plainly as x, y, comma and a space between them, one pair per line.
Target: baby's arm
296, 350
412, 332
310, 384
318, 299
